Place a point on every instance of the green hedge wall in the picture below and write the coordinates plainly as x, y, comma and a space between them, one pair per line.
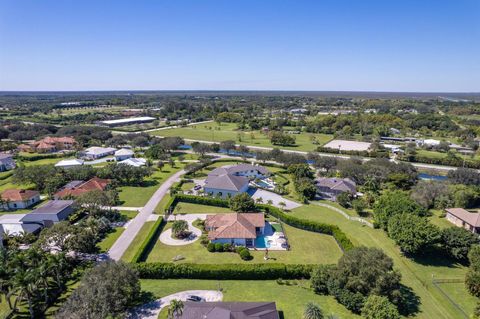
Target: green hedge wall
223, 271
42, 156
333, 230
149, 242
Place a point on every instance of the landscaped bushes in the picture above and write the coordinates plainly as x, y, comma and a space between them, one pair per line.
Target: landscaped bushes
378, 154
37, 157
342, 239
223, 271
452, 161
149, 242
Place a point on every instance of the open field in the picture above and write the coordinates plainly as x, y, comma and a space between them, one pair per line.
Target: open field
138, 196
227, 131
290, 297
306, 248
416, 274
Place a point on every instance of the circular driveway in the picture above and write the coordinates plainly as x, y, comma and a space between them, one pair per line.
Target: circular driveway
167, 239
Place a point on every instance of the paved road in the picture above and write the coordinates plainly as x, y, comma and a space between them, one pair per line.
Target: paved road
152, 309
120, 246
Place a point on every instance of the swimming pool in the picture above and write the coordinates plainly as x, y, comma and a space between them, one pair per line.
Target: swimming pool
262, 242
263, 184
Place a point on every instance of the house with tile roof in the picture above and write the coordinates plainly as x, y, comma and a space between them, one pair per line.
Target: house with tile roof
18, 199
49, 144
229, 310
463, 218
331, 187
6, 162
235, 228
230, 180
77, 188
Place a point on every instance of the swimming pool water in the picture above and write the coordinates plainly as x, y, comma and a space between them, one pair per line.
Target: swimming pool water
261, 242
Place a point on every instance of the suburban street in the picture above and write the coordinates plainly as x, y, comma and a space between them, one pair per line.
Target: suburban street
122, 243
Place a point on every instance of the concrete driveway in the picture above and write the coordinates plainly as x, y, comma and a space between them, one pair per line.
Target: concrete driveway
275, 198
152, 309
166, 236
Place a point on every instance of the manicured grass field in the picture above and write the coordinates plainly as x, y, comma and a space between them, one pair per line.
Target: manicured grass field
138, 196
416, 274
438, 218
188, 208
137, 241
290, 298
459, 294
306, 248
228, 131
110, 239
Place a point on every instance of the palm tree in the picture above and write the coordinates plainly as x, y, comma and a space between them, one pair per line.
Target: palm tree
259, 200
270, 202
283, 204
5, 276
175, 309
312, 311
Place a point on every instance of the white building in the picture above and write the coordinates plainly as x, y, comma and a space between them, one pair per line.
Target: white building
344, 145
69, 163
123, 154
13, 225
96, 152
136, 162
128, 121
18, 199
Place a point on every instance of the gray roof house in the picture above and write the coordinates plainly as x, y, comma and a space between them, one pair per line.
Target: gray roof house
229, 310
332, 186
6, 162
230, 180
52, 212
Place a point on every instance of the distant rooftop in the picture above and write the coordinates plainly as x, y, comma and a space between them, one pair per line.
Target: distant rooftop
128, 120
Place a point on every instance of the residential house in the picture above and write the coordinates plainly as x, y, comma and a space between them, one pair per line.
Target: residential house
96, 152
68, 163
331, 187
135, 162
232, 179
45, 216
235, 228
229, 310
19, 199
49, 144
6, 162
463, 218
77, 188
123, 154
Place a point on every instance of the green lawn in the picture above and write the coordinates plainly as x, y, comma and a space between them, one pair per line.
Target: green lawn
188, 208
110, 239
459, 294
415, 274
137, 241
290, 298
306, 248
228, 131
438, 218
138, 196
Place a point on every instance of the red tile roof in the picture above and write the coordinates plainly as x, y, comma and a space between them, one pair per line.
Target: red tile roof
472, 219
17, 195
90, 185
234, 225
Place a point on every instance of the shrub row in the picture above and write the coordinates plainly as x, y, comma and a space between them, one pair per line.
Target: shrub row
6, 175
452, 161
42, 156
223, 271
333, 230
149, 242
380, 154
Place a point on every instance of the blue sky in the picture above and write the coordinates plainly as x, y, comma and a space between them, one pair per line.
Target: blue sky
365, 45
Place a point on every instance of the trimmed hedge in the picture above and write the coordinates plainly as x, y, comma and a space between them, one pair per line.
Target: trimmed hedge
223, 271
149, 242
42, 156
458, 162
333, 230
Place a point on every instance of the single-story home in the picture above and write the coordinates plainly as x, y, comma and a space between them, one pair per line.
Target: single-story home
13, 225
229, 310
68, 163
77, 188
230, 180
45, 216
123, 154
235, 228
136, 162
49, 144
463, 218
96, 152
6, 162
19, 199
332, 186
